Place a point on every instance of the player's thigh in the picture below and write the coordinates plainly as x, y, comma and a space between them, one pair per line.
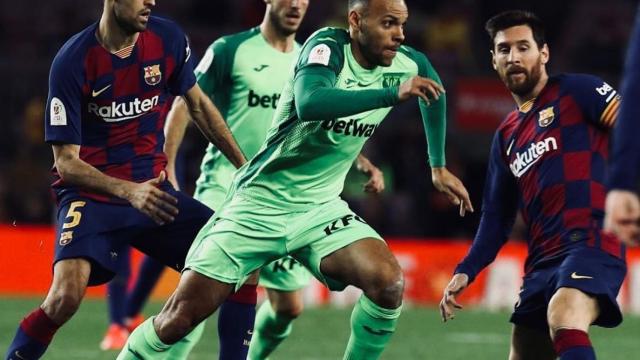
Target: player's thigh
340, 248
530, 344
572, 308
97, 232
240, 239
587, 284
171, 242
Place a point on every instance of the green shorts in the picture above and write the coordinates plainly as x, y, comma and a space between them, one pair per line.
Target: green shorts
285, 274
246, 234
212, 195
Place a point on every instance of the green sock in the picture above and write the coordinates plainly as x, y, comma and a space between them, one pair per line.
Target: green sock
269, 331
182, 348
371, 330
144, 343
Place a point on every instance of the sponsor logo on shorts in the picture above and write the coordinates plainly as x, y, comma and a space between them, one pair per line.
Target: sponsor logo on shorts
285, 264
66, 237
342, 223
575, 276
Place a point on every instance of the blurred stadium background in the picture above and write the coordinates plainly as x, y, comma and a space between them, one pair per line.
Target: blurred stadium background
425, 232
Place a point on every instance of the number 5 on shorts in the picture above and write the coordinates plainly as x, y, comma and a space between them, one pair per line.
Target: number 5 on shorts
74, 214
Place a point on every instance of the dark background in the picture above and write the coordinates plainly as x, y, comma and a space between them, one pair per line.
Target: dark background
584, 36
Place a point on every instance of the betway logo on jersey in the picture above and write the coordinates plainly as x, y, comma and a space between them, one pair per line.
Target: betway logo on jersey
265, 101
525, 159
115, 112
352, 127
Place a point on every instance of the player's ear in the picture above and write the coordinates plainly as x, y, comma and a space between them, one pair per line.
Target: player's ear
544, 52
493, 60
354, 19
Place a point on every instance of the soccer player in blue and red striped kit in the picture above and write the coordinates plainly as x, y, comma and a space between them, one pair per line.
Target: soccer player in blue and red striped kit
622, 204
548, 160
108, 88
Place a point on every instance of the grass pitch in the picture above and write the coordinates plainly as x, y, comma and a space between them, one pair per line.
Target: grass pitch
321, 334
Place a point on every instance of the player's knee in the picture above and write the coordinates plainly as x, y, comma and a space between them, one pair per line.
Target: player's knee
290, 309
388, 287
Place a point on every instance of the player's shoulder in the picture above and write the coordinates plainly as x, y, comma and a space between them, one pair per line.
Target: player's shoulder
412, 53
329, 38
330, 33
72, 54
166, 28
577, 82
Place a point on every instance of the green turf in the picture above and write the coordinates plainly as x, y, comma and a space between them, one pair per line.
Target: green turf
322, 334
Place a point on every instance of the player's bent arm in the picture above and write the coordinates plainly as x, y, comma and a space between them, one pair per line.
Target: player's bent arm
210, 122
434, 118
174, 129
77, 172
492, 234
317, 98
376, 177
146, 197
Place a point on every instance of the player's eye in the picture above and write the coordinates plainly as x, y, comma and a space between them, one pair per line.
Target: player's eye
386, 24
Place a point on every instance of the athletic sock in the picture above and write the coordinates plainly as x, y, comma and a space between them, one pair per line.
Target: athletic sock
32, 337
117, 296
269, 331
144, 343
573, 344
371, 330
148, 275
235, 323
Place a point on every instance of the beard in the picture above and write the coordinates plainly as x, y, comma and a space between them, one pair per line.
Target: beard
129, 26
278, 23
532, 77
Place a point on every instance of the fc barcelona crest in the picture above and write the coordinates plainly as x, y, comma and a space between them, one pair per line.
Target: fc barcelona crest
546, 116
152, 74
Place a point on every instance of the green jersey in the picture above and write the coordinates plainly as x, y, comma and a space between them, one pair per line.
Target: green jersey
318, 131
244, 75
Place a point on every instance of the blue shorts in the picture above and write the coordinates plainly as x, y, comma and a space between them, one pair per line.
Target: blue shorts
101, 233
589, 270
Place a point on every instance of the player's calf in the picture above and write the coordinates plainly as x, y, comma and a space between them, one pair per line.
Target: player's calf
196, 297
570, 313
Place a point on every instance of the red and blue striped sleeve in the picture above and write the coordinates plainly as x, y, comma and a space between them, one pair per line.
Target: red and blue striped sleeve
63, 123
499, 208
182, 78
625, 156
598, 100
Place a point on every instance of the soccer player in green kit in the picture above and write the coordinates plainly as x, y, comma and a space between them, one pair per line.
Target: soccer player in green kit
244, 74
285, 201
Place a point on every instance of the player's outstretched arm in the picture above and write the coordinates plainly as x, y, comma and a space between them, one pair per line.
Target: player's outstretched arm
174, 129
623, 216
210, 122
146, 197
376, 177
449, 303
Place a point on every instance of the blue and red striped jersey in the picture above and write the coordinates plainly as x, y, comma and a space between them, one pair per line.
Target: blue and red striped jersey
548, 160
114, 104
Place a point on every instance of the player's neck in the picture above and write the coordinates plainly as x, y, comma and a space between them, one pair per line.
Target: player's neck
521, 99
278, 40
111, 36
360, 58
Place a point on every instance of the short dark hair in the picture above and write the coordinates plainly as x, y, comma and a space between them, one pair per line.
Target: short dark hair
354, 3
512, 18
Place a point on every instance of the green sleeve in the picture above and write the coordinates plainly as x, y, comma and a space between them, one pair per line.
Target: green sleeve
214, 68
434, 116
317, 99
